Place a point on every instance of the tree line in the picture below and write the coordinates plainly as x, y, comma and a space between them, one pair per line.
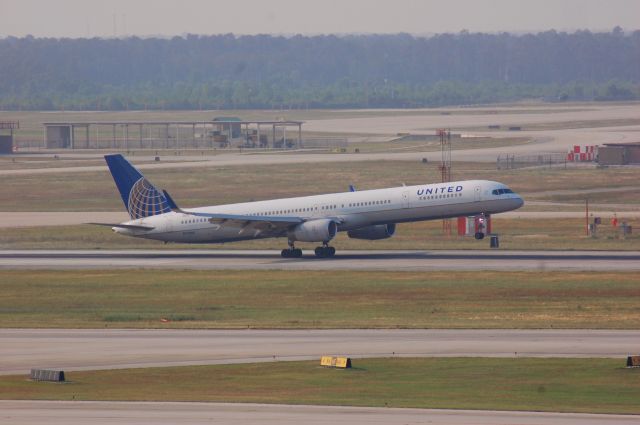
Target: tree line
264, 71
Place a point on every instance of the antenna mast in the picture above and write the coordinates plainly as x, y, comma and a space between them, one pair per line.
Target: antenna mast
445, 168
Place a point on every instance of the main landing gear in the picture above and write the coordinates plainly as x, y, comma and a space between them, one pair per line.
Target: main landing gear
325, 251
291, 252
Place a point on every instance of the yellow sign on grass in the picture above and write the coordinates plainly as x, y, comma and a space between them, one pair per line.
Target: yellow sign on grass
340, 362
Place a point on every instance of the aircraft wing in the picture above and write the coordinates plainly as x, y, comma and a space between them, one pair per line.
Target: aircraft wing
256, 223
275, 226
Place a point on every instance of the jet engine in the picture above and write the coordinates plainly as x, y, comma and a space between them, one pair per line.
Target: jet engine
372, 233
321, 230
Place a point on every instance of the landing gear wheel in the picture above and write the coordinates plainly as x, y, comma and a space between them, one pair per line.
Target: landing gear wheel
325, 251
292, 252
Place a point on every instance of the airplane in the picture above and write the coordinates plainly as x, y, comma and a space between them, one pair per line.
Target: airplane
363, 214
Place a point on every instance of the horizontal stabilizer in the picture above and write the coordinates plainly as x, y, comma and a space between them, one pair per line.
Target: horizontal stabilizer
124, 226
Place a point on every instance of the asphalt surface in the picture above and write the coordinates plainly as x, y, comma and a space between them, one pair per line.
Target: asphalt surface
477, 118
136, 413
344, 260
80, 349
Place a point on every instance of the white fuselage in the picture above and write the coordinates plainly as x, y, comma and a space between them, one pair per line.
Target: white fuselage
351, 210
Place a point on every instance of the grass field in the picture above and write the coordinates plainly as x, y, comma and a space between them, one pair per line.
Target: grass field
431, 146
631, 197
527, 234
314, 299
558, 385
49, 161
94, 191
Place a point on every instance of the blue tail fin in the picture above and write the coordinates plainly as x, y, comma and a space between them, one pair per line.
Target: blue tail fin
140, 197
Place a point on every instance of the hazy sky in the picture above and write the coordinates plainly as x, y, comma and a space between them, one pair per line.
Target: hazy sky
82, 18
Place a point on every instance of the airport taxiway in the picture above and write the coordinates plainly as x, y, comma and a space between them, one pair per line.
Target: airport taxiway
415, 260
138, 413
89, 349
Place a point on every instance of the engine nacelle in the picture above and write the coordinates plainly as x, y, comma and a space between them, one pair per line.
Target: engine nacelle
322, 230
372, 233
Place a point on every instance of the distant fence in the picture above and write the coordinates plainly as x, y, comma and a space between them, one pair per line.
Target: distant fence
324, 142
506, 162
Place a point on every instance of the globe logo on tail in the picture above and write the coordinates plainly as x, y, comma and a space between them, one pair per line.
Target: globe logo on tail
145, 200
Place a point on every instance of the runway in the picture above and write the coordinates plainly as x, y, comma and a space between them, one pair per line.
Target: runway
344, 260
78, 349
138, 413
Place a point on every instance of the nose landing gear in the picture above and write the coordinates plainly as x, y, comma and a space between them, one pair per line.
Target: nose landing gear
482, 224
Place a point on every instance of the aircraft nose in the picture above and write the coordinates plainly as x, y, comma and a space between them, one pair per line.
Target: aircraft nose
519, 202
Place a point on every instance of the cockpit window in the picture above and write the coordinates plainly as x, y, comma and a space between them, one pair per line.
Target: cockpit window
501, 191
